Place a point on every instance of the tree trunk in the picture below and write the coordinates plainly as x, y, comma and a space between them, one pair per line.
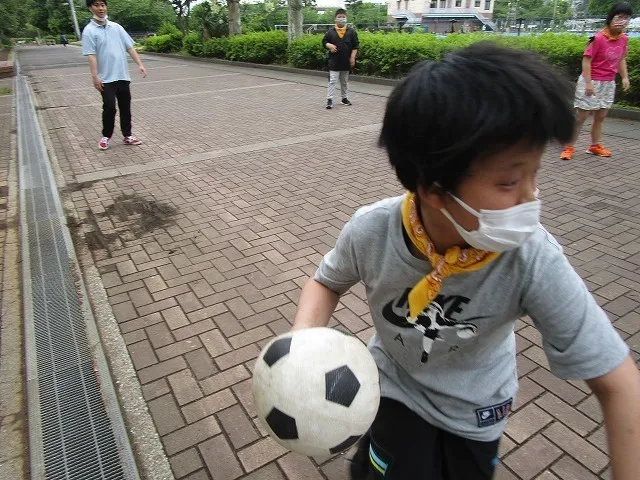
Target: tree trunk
295, 19
186, 32
235, 28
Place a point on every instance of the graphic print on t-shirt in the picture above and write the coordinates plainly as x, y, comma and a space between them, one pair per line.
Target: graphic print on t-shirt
434, 321
614, 55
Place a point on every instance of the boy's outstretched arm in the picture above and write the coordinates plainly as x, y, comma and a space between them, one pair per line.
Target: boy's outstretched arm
136, 58
316, 305
619, 395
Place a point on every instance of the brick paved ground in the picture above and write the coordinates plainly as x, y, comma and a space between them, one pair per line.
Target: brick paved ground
205, 234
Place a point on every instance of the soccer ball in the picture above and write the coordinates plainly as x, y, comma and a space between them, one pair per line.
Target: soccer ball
316, 390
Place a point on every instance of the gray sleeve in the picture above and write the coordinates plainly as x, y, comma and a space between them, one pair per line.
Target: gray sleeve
338, 270
88, 43
577, 336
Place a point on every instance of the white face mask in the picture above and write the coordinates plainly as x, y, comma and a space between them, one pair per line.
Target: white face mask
500, 230
101, 19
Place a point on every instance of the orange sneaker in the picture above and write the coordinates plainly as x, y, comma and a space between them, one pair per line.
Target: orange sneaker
598, 150
567, 153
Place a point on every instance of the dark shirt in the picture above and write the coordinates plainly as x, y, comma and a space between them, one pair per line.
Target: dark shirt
340, 61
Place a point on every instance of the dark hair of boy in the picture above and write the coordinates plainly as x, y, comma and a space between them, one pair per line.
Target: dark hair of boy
478, 101
340, 11
91, 2
620, 8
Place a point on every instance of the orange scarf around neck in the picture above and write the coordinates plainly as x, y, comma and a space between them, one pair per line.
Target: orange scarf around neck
455, 260
341, 30
606, 32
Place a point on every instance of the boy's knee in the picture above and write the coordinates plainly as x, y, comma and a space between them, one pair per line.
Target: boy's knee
109, 107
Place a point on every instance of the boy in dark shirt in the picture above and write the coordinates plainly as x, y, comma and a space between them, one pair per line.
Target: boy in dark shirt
342, 43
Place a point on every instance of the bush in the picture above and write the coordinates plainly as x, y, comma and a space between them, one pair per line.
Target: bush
193, 44
216, 47
259, 47
163, 43
393, 54
168, 29
632, 97
167, 39
308, 52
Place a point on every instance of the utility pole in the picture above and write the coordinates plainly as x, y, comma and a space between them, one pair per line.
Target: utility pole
75, 19
553, 21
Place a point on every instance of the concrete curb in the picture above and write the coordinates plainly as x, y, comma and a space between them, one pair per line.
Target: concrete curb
616, 112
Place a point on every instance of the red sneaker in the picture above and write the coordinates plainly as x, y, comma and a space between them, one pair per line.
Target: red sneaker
598, 150
567, 153
103, 144
132, 140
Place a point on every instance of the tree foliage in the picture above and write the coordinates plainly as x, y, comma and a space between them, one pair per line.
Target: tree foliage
602, 7
209, 20
54, 16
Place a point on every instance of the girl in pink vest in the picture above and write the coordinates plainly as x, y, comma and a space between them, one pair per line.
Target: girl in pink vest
603, 58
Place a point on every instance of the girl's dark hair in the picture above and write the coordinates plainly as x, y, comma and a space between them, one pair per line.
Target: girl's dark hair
91, 2
474, 103
620, 8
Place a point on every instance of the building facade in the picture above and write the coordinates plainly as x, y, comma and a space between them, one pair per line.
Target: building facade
443, 16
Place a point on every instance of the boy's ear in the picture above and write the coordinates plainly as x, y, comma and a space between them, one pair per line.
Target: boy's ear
433, 196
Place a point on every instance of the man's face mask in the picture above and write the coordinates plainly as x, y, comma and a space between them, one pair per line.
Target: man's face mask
341, 21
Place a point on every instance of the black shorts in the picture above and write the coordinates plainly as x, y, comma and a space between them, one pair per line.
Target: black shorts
403, 446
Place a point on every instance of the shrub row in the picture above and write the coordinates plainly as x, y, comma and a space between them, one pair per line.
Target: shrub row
259, 47
392, 55
168, 38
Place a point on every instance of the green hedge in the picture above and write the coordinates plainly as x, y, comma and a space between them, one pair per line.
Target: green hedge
216, 47
259, 47
164, 43
392, 55
193, 45
168, 38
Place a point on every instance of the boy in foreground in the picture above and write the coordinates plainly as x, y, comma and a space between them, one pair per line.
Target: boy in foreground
449, 267
106, 44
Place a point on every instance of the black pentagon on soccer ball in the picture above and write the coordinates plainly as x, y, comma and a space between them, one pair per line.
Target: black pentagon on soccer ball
277, 350
282, 425
342, 386
344, 445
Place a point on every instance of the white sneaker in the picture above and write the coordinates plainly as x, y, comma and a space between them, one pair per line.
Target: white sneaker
104, 143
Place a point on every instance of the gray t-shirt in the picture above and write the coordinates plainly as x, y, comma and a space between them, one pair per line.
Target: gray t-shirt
457, 368
109, 43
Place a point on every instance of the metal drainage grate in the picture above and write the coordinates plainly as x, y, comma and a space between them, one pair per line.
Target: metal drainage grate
76, 430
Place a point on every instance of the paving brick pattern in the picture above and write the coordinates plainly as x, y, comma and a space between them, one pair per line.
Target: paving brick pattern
203, 263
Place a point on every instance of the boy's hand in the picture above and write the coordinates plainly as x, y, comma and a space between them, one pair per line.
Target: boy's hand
97, 84
143, 71
626, 85
331, 47
589, 89
352, 62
